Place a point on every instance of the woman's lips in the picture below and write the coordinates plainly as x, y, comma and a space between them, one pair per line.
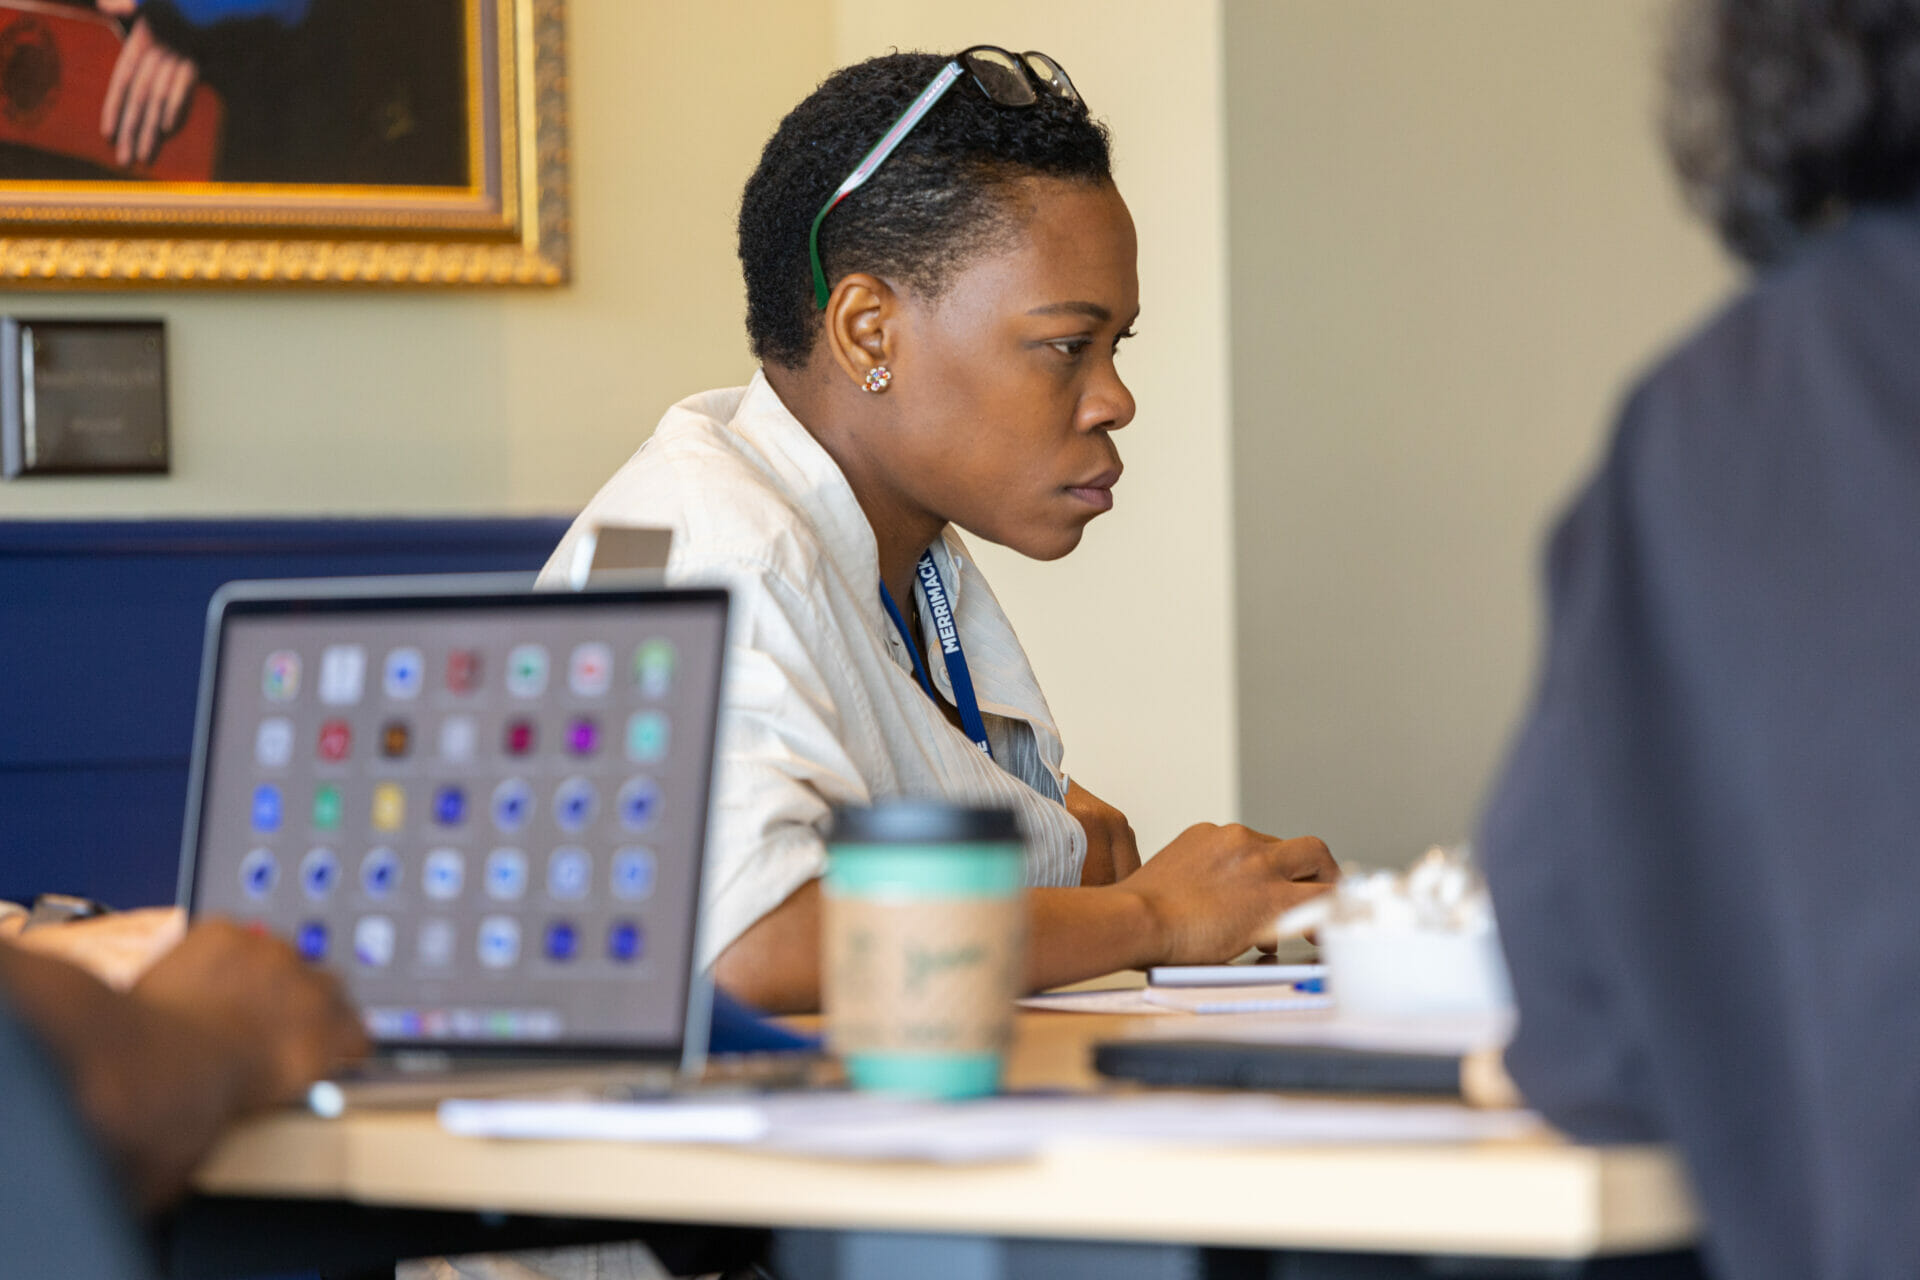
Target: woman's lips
1097, 492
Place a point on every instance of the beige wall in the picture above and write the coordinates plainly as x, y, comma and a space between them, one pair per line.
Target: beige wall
497, 401
1452, 238
1132, 634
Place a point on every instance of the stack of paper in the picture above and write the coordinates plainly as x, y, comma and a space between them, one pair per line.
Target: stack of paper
1203, 988
1280, 997
863, 1127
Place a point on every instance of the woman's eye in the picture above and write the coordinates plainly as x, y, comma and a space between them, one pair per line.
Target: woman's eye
1075, 346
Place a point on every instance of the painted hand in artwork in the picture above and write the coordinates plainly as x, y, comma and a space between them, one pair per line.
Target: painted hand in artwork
147, 93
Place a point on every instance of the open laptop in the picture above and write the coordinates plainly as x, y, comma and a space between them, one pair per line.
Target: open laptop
483, 807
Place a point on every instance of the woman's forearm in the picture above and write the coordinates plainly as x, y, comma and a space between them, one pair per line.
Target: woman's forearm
1209, 895
1071, 934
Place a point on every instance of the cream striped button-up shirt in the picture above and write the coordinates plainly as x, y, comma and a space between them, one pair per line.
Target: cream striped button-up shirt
821, 706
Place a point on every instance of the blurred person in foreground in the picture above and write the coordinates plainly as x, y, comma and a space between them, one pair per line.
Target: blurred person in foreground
226, 1022
1702, 849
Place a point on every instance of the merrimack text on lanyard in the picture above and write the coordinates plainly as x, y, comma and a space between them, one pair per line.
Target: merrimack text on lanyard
941, 607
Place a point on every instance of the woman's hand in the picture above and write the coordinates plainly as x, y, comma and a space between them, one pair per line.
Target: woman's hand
1112, 852
1216, 891
1204, 899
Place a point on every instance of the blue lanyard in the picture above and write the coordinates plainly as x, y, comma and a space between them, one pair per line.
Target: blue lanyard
949, 635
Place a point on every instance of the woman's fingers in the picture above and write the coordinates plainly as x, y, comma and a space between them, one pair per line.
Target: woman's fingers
1112, 852
1306, 858
1267, 937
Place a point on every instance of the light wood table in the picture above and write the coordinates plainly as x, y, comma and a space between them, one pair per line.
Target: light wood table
1537, 1197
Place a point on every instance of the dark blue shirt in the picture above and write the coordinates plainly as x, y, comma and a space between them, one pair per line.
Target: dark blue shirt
60, 1212
1705, 848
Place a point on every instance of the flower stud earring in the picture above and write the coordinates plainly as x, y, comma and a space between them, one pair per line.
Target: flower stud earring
877, 378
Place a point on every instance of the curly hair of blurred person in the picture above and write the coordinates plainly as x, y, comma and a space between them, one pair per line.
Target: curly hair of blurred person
937, 202
1783, 115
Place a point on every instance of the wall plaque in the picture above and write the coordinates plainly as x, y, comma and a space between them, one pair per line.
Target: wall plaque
82, 397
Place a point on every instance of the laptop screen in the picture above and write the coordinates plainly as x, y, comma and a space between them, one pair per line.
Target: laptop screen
484, 809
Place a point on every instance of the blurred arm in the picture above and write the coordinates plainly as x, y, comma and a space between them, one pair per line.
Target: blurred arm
227, 1023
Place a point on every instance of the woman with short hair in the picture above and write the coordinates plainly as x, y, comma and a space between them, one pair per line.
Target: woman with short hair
940, 274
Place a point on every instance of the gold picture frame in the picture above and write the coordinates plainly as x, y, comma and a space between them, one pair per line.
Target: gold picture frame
506, 224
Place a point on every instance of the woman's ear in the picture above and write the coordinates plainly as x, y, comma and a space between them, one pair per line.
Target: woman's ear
860, 325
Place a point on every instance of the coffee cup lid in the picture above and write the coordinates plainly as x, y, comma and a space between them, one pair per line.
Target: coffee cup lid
923, 822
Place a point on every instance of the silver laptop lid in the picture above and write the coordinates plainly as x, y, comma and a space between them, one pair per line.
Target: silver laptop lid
484, 807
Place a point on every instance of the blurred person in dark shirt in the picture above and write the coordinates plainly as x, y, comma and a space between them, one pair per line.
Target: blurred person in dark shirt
1702, 848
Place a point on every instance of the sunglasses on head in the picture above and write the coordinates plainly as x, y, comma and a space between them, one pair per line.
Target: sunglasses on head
1010, 79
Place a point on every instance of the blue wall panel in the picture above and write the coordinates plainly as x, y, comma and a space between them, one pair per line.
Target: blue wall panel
100, 635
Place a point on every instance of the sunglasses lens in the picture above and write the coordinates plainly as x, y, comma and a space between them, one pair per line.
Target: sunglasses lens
1051, 75
1000, 76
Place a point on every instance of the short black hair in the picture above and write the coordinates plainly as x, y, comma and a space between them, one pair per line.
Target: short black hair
938, 200
1784, 114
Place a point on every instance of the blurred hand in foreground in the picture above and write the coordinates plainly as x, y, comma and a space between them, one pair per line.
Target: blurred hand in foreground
228, 1022
115, 948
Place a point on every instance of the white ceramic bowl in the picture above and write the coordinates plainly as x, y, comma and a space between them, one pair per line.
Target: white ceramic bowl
1401, 971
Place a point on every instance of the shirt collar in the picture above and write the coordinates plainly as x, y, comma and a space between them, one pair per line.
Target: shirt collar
811, 477
808, 473
797, 463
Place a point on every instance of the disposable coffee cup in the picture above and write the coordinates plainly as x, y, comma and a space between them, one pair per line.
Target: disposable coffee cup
924, 932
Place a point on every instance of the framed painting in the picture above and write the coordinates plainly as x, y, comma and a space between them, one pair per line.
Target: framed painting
282, 142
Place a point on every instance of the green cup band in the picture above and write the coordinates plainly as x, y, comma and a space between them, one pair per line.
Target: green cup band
926, 1075
933, 871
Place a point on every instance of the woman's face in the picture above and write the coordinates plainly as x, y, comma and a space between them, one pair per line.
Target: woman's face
1007, 393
